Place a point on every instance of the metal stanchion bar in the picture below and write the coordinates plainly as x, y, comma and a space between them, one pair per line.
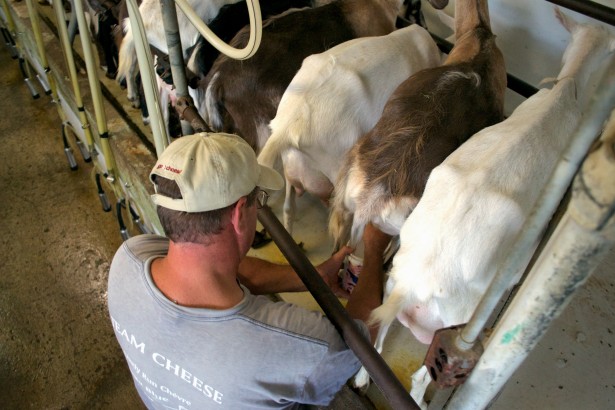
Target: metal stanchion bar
146, 68
94, 82
72, 70
589, 8
176, 60
379, 371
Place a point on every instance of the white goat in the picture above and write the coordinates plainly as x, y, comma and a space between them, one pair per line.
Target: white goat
336, 97
477, 200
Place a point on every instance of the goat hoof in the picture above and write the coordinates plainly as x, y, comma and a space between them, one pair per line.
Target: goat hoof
361, 381
261, 239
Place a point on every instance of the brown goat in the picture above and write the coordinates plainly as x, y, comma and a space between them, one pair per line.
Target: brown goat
242, 96
428, 116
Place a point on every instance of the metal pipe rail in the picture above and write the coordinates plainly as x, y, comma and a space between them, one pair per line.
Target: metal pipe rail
144, 57
589, 8
377, 368
72, 71
97, 100
176, 56
176, 60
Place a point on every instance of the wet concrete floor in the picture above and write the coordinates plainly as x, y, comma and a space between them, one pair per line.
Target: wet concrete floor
57, 348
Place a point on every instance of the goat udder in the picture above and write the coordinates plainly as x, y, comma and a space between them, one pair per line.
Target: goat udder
421, 323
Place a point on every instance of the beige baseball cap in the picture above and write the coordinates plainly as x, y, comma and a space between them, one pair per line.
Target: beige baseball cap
212, 170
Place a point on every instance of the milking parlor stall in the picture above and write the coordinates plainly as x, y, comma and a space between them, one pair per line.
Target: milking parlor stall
508, 244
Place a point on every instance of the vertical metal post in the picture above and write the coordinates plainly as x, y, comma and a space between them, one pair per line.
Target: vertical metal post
70, 62
176, 55
97, 100
146, 68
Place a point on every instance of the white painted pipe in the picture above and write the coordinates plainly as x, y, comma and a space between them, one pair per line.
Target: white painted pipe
97, 99
150, 86
176, 56
72, 70
581, 240
8, 17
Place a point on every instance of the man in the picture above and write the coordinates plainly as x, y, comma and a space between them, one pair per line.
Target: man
183, 309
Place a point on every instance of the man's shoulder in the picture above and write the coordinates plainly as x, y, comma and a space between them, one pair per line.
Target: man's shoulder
136, 251
145, 246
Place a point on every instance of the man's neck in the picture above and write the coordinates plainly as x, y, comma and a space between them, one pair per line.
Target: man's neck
197, 275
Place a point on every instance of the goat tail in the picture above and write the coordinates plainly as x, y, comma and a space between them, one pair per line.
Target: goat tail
340, 217
271, 154
213, 104
390, 308
127, 55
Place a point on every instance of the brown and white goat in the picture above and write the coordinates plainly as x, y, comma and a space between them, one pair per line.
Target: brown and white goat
428, 116
335, 98
242, 97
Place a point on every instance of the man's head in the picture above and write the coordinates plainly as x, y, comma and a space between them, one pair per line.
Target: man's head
198, 179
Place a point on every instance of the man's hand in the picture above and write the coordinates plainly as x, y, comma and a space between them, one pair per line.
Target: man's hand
329, 269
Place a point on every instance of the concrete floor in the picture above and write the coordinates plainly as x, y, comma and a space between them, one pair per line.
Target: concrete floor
57, 348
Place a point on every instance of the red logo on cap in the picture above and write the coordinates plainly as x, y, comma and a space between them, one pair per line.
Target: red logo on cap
169, 168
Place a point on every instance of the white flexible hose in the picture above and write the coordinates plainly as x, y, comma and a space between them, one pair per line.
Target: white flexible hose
256, 30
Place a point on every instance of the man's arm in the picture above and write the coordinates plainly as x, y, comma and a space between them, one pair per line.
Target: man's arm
263, 277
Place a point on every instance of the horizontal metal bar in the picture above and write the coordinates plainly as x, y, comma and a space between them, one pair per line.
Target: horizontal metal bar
590, 9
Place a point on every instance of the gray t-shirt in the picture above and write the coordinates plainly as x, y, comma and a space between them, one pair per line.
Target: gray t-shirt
257, 355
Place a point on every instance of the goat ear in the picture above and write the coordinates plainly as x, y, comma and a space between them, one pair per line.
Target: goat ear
566, 21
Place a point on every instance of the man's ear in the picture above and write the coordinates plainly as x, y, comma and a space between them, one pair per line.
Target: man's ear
238, 214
